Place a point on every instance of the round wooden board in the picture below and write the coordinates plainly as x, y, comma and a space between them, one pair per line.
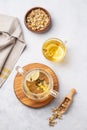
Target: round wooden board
18, 86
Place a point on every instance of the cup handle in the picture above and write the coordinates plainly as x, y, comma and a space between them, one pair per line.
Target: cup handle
66, 43
20, 70
54, 93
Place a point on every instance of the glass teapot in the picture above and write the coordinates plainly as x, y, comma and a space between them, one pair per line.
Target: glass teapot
37, 84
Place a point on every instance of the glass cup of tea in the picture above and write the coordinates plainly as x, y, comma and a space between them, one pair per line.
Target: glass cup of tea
54, 49
37, 84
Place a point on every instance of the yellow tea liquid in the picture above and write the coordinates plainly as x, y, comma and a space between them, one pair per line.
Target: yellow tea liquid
54, 50
37, 82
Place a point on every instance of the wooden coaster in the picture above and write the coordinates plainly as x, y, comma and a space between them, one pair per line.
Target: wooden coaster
19, 91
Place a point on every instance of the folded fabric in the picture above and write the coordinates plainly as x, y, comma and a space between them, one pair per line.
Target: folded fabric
11, 45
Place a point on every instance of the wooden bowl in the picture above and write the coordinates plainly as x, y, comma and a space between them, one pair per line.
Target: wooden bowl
45, 28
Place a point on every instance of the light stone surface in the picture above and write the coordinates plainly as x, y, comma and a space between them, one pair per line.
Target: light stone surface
69, 23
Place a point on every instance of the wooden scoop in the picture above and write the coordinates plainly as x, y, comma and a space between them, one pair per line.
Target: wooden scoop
62, 108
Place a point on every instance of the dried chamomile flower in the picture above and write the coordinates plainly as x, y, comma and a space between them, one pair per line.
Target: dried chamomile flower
37, 19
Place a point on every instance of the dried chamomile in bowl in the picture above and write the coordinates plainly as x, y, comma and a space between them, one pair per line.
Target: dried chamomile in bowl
37, 19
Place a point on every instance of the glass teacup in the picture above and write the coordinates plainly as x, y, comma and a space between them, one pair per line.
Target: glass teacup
54, 49
37, 84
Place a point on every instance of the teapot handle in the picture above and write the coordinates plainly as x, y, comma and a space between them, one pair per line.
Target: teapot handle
20, 70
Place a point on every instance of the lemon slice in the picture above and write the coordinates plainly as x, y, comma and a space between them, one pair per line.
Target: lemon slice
32, 76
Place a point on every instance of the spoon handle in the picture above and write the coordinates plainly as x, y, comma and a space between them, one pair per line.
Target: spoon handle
71, 93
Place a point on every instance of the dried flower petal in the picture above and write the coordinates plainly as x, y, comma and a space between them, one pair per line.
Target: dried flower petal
37, 19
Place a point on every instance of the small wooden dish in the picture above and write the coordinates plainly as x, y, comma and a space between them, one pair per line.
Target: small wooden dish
38, 30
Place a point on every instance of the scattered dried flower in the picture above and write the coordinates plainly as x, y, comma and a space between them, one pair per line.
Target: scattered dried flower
55, 115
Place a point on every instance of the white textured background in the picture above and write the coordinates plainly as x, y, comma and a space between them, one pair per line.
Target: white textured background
69, 22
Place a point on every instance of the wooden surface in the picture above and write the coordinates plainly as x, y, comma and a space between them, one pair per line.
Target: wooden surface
18, 86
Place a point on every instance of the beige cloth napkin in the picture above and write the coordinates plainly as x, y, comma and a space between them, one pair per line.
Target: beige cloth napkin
11, 45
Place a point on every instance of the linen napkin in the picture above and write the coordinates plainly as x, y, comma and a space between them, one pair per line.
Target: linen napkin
11, 45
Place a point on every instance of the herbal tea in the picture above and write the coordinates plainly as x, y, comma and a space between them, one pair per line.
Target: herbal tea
37, 82
54, 50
